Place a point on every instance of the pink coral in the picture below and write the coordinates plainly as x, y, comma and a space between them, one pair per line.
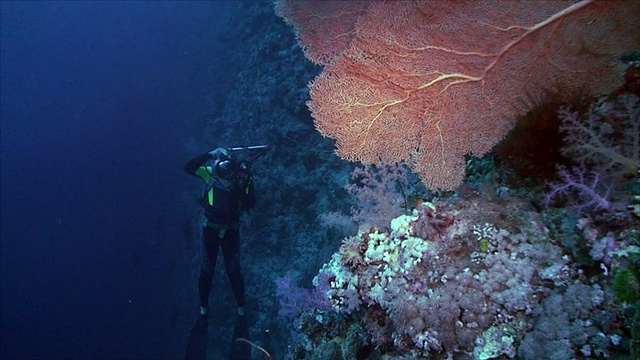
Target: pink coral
427, 82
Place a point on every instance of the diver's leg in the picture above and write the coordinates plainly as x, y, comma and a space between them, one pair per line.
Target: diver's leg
230, 251
209, 254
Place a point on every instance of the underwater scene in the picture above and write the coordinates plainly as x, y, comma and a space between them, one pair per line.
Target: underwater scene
320, 179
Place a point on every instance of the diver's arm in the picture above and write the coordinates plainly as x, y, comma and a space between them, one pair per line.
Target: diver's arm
196, 162
248, 193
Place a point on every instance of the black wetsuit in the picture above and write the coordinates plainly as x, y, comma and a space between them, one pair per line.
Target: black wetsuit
223, 202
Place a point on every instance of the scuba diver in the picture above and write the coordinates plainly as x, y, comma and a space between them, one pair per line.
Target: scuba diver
228, 192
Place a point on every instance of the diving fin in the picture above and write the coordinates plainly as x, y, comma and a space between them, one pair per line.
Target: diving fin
197, 345
240, 350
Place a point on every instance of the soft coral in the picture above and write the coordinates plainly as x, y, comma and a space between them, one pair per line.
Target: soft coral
607, 139
583, 189
606, 145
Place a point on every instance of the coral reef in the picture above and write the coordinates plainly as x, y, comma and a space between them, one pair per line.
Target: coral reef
488, 279
448, 277
408, 272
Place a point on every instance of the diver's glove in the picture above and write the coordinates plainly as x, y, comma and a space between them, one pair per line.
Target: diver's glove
245, 168
220, 154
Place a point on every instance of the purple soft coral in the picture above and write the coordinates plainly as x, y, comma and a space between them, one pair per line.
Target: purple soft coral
606, 138
294, 299
582, 189
606, 144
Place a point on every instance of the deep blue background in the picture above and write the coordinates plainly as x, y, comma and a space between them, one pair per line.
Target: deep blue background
97, 105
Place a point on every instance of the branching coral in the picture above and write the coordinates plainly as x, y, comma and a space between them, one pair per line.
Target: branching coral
607, 137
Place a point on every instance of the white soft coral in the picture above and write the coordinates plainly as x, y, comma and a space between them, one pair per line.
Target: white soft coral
607, 138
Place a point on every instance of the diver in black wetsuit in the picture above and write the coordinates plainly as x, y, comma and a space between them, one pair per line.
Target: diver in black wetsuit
228, 192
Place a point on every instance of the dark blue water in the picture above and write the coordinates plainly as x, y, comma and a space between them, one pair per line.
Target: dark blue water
97, 102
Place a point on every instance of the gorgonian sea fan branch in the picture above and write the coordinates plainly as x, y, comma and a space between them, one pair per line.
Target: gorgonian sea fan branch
428, 82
